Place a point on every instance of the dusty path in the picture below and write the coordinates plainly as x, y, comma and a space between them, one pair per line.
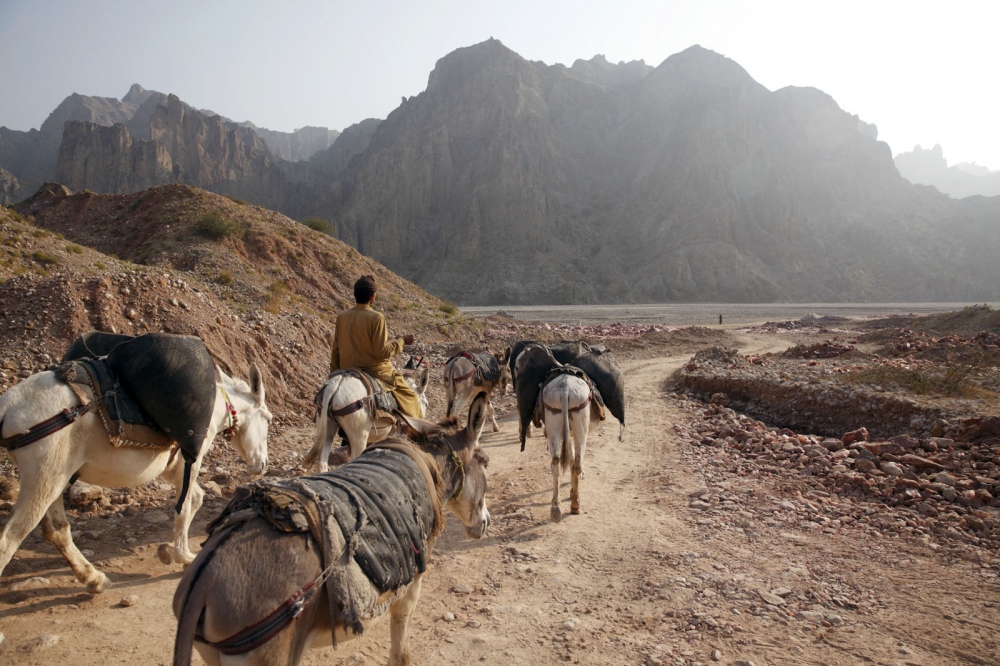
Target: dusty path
639, 577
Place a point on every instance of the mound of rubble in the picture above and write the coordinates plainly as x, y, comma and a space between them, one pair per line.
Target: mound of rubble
932, 461
938, 486
809, 394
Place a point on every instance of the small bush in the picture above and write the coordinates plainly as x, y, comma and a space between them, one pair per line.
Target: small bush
41, 233
43, 258
74, 249
449, 308
318, 224
235, 200
224, 278
100, 265
216, 226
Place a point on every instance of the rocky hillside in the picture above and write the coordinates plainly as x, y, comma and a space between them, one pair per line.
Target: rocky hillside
254, 285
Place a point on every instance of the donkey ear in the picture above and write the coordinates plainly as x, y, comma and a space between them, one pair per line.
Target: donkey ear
257, 384
477, 415
506, 355
425, 378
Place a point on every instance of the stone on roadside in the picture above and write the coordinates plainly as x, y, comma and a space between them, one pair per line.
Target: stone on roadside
816, 617
30, 584
156, 518
129, 600
772, 599
82, 493
43, 642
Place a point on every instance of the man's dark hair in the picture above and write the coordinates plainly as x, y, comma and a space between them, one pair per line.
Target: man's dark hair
364, 289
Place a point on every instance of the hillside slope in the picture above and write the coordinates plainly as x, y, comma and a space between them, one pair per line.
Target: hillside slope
254, 285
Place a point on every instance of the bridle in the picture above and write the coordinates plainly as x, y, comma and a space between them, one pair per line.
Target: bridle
461, 471
231, 417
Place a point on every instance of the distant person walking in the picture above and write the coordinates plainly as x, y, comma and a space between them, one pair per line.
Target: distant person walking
720, 320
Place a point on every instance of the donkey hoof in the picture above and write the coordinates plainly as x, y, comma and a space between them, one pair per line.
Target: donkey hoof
575, 510
98, 583
166, 553
556, 514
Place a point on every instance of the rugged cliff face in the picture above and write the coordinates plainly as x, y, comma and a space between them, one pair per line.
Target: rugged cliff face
184, 146
296, 146
31, 156
103, 144
508, 181
9, 188
929, 167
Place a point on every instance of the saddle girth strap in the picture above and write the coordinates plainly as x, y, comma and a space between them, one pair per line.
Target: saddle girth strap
46, 427
349, 409
261, 632
556, 410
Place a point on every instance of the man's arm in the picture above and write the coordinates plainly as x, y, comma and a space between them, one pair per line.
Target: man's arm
382, 344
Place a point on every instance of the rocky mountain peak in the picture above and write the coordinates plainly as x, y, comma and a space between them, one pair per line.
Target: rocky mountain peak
137, 95
701, 67
472, 62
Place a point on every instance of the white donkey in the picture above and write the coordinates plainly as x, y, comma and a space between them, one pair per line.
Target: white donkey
570, 411
347, 398
83, 450
463, 380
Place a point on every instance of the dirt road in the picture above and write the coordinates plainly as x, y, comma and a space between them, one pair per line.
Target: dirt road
644, 575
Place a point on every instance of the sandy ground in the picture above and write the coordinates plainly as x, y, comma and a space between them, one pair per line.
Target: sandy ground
637, 578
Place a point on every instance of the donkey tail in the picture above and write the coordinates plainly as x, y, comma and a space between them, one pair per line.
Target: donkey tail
189, 612
326, 427
450, 388
566, 457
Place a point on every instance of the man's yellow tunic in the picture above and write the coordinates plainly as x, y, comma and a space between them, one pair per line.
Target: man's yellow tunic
360, 340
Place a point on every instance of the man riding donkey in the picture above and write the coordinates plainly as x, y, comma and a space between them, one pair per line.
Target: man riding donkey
361, 341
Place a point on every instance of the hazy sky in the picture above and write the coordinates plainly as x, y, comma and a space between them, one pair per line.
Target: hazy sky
924, 72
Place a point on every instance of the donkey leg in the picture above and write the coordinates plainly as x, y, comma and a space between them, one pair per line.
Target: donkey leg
399, 628
55, 528
319, 454
580, 441
36, 496
179, 550
556, 510
493, 416
555, 453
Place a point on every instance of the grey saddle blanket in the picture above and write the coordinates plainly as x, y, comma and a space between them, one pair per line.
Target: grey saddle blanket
96, 374
379, 501
486, 364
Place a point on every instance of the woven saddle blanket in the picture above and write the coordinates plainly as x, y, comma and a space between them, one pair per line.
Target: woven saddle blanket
486, 365
376, 511
126, 422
